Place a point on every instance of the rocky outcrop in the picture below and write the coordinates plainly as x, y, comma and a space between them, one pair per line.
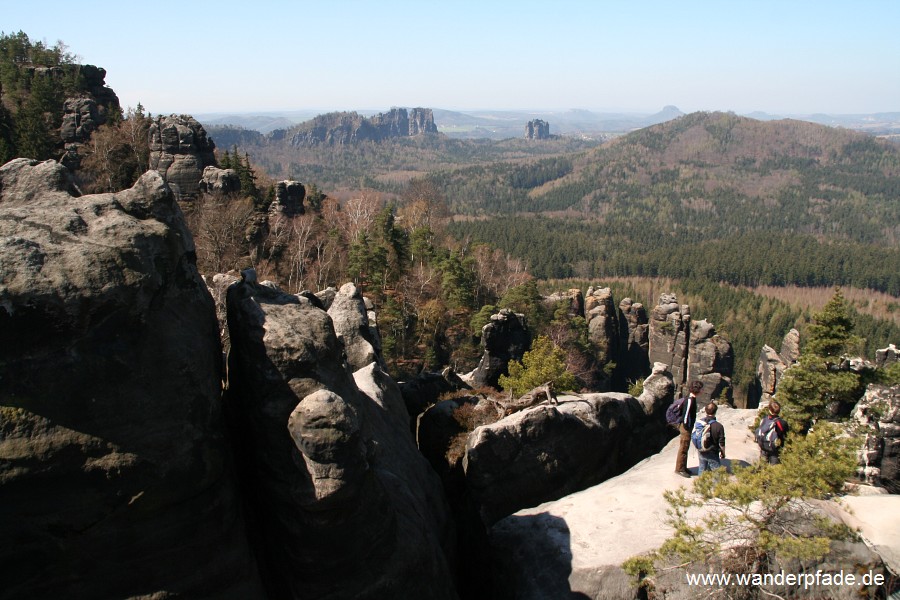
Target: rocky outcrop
669, 336
634, 329
289, 197
362, 343
426, 389
573, 298
710, 360
537, 129
545, 452
115, 480
350, 128
341, 503
886, 356
771, 366
180, 150
878, 412
603, 324
506, 337
222, 181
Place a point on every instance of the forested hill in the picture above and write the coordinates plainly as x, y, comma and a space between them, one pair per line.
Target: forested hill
709, 195
712, 173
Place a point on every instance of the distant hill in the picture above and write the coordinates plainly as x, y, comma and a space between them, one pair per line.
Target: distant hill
736, 172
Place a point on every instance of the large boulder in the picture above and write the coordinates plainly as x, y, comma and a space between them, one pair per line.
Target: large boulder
114, 474
223, 181
180, 150
506, 337
341, 503
545, 452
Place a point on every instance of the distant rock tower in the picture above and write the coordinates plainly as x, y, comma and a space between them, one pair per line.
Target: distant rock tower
537, 130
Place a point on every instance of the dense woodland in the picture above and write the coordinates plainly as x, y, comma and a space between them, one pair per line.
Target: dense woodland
440, 233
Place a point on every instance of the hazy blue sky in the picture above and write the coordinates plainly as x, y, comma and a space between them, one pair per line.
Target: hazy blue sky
197, 56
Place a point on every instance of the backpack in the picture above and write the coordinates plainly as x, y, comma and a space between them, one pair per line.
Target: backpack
702, 435
767, 435
675, 412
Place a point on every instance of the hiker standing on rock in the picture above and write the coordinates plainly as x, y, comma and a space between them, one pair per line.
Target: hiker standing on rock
770, 435
685, 409
709, 439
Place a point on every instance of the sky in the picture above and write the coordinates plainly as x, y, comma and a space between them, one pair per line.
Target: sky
782, 57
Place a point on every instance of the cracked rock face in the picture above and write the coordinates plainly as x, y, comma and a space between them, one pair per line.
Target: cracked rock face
341, 503
111, 436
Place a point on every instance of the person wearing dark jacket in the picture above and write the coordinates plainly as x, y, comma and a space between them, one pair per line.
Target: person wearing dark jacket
688, 418
770, 435
711, 459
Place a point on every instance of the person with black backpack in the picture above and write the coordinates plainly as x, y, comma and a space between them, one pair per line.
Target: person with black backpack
709, 439
683, 414
770, 435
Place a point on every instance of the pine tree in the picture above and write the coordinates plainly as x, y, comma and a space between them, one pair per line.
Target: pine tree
816, 387
544, 362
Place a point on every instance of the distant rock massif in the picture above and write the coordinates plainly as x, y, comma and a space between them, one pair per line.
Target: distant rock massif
349, 128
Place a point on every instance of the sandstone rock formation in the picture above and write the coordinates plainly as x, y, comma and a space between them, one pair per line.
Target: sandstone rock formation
634, 330
771, 367
710, 360
223, 181
115, 480
289, 197
879, 413
362, 343
573, 297
537, 129
340, 500
505, 338
545, 452
180, 150
350, 127
669, 336
603, 324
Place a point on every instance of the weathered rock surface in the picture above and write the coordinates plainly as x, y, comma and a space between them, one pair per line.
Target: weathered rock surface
879, 412
669, 336
114, 478
771, 366
289, 197
573, 297
574, 547
634, 329
710, 360
427, 388
603, 324
505, 338
547, 451
362, 343
216, 180
341, 501
180, 150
